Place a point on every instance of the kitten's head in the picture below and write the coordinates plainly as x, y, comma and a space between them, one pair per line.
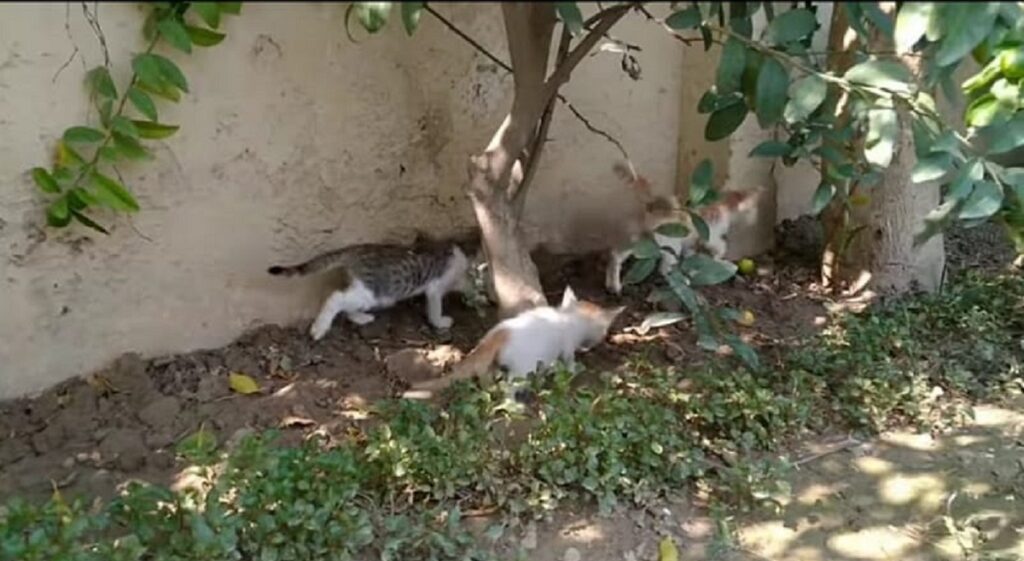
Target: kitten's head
597, 319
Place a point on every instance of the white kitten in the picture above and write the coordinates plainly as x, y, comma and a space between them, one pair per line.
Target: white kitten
534, 339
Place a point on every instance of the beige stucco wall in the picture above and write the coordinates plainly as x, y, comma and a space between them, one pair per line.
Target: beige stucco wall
293, 140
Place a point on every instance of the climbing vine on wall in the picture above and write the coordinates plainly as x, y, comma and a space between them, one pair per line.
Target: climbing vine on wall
84, 175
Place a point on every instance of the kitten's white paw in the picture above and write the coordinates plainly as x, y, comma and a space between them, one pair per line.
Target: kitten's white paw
443, 322
317, 331
360, 318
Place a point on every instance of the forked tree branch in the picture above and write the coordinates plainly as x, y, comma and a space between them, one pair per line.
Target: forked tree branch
607, 19
506, 67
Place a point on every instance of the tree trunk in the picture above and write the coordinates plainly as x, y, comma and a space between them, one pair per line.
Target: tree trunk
842, 45
497, 180
881, 257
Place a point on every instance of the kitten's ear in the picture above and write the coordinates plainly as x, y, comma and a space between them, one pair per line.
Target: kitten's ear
568, 297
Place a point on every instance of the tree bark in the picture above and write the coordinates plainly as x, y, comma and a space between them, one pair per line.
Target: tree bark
842, 45
497, 181
882, 257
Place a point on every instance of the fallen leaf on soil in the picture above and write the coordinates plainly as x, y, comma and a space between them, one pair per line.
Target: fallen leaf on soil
240, 383
667, 550
295, 421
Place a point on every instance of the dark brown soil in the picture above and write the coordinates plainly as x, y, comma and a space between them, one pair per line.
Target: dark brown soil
89, 434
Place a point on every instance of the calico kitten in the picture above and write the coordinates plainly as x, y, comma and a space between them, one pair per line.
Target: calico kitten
531, 340
654, 211
376, 276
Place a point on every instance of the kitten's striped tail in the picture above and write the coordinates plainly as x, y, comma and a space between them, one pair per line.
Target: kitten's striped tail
477, 363
314, 265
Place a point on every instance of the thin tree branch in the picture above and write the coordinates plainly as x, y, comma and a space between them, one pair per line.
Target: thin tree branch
540, 135
505, 66
562, 72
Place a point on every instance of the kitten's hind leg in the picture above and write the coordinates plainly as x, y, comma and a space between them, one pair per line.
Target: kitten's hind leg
613, 274
352, 301
435, 310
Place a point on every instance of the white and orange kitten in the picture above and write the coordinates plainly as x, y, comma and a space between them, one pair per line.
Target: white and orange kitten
655, 211
532, 340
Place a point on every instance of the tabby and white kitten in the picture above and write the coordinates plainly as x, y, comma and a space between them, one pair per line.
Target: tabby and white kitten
376, 276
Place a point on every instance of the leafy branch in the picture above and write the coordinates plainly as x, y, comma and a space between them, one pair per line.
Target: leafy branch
754, 75
76, 183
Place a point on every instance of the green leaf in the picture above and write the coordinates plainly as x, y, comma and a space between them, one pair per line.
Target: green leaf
571, 17
789, 26
966, 26
682, 290
640, 270
124, 126
984, 201
771, 149
700, 181
705, 271
233, 8
165, 91
822, 197
130, 147
171, 72
987, 111
150, 130
645, 248
934, 222
1003, 137
744, 351
101, 83
113, 193
80, 199
147, 70
203, 37
373, 15
106, 109
963, 183
67, 156
880, 19
143, 103
689, 18
175, 34
725, 121
805, 96
209, 12
108, 154
730, 67
45, 181
83, 135
770, 99
931, 167
672, 230
887, 74
58, 214
880, 142
89, 222
700, 225
911, 23
411, 12
711, 101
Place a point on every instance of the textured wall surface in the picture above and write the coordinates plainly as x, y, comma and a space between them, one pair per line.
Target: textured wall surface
293, 141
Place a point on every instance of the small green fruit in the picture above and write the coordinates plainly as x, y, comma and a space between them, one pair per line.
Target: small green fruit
747, 266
